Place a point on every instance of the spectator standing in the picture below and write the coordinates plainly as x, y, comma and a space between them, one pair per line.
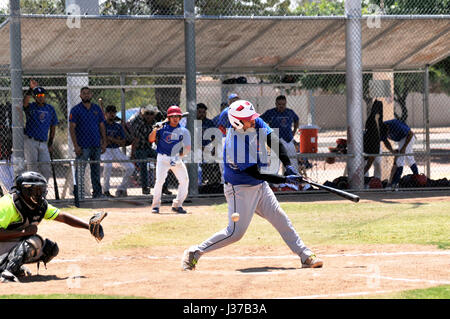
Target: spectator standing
6, 168
141, 148
173, 142
287, 123
402, 134
88, 134
40, 127
115, 136
210, 172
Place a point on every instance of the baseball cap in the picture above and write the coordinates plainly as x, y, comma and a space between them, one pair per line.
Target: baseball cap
111, 108
149, 108
232, 96
174, 110
39, 90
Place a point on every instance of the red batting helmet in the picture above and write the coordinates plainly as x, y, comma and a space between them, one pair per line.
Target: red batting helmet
174, 110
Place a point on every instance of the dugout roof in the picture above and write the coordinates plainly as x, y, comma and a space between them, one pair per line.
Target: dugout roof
104, 44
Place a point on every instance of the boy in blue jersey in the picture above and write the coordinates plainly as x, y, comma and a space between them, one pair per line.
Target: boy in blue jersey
172, 143
39, 133
115, 135
247, 190
401, 133
88, 134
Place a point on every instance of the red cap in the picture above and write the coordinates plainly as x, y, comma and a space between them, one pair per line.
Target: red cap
174, 110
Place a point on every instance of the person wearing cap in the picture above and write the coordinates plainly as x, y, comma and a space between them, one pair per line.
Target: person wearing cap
223, 123
172, 143
286, 121
88, 134
115, 136
141, 149
40, 127
210, 173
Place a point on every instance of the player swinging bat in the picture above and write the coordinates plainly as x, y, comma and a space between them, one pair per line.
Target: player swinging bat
247, 190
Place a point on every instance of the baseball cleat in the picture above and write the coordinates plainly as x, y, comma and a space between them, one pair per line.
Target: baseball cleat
179, 210
8, 276
189, 261
312, 262
155, 210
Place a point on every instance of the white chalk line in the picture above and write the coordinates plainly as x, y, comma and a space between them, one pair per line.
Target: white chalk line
439, 282
375, 254
342, 295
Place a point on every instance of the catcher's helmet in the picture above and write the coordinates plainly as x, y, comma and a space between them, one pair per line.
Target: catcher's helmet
241, 110
31, 187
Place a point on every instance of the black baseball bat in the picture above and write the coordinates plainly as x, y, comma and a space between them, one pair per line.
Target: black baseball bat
55, 182
339, 192
75, 185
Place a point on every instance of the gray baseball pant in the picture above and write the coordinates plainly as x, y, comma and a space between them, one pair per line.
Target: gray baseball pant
247, 200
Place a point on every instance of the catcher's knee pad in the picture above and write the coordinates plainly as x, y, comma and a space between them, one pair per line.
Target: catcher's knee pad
33, 248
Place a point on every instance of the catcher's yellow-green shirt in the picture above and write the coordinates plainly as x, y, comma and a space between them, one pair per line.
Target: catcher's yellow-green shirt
9, 214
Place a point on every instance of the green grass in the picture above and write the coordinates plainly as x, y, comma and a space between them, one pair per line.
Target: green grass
439, 292
317, 224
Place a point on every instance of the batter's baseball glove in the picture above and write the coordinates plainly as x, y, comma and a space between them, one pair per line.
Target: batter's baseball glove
95, 227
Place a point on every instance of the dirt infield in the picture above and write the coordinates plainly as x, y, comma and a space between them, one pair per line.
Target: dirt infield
84, 267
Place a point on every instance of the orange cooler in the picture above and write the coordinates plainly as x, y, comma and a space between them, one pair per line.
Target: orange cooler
308, 138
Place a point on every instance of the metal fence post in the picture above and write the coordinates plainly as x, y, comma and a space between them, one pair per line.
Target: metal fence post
354, 86
191, 85
426, 114
16, 87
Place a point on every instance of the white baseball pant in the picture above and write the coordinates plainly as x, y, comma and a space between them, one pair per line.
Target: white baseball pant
247, 200
291, 153
179, 170
401, 160
112, 154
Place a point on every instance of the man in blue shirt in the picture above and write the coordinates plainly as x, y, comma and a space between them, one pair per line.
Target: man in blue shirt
401, 133
173, 141
247, 190
210, 172
88, 134
115, 135
39, 133
287, 123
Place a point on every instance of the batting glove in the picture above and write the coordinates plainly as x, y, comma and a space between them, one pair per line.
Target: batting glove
290, 170
294, 179
158, 125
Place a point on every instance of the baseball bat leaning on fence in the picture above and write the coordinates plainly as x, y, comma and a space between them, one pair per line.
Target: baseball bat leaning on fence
55, 182
75, 186
339, 192
159, 124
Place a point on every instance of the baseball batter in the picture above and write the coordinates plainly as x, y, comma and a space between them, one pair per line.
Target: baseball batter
247, 190
172, 143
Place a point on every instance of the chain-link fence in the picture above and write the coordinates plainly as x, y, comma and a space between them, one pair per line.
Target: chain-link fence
316, 128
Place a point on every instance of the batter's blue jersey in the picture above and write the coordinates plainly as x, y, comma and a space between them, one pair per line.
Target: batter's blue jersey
170, 139
243, 150
39, 119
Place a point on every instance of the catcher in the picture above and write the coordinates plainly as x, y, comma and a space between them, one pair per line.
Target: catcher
21, 211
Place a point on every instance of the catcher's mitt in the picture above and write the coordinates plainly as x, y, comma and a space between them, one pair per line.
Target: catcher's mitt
95, 227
